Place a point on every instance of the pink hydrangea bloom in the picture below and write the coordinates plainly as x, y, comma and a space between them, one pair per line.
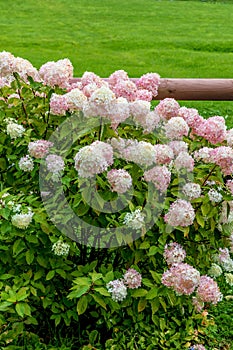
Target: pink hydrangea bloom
144, 95
192, 118
150, 82
24, 68
160, 176
229, 137
120, 180
75, 99
54, 163
116, 77
139, 110
126, 89
6, 63
57, 73
182, 278
204, 154
132, 279
168, 108
93, 159
91, 78
58, 104
184, 161
118, 111
198, 304
176, 128
174, 253
224, 259
178, 147
163, 154
192, 190
101, 100
151, 122
214, 129
208, 290
141, 153
39, 148
223, 156
118, 289
180, 213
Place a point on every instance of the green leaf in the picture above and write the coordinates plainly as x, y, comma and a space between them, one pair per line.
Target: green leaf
156, 276
144, 245
108, 277
6, 276
152, 293
138, 293
22, 293
50, 275
5, 305
18, 246
42, 261
82, 305
153, 250
29, 256
99, 300
61, 272
102, 291
142, 304
39, 274
78, 292
200, 219
95, 276
20, 309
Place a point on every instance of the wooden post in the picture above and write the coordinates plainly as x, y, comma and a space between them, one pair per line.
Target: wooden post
193, 89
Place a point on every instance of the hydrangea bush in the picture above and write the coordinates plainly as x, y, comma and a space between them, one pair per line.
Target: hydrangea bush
145, 247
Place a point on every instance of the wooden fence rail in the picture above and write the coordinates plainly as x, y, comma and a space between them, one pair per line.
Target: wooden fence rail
193, 89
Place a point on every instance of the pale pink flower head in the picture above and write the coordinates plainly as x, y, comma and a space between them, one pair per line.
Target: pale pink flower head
199, 347
126, 89
101, 100
24, 68
229, 137
160, 176
208, 290
6, 63
132, 279
150, 82
224, 259
91, 78
116, 77
93, 159
184, 161
182, 278
26, 163
144, 95
39, 148
223, 156
55, 163
174, 253
178, 147
163, 154
192, 117
75, 99
118, 289
58, 104
118, 111
176, 128
167, 108
139, 110
191, 190
198, 304
151, 122
214, 129
180, 213
141, 153
204, 155
120, 180
57, 73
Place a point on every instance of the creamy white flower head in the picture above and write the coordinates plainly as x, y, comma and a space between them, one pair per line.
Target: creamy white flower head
13, 129
134, 220
60, 248
22, 220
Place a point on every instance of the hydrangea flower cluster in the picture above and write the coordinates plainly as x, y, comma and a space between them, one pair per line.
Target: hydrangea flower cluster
14, 130
184, 279
118, 288
39, 148
197, 347
180, 213
134, 220
60, 248
191, 190
22, 220
93, 159
120, 180
26, 163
